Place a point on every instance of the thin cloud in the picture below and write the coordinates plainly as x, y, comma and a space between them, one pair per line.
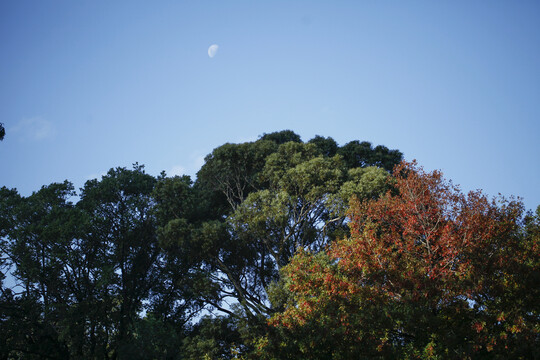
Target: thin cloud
35, 128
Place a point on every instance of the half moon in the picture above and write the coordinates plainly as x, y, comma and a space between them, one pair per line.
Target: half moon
212, 50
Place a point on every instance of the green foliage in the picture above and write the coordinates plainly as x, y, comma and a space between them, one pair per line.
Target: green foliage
85, 268
230, 172
327, 147
362, 183
155, 338
37, 243
281, 137
120, 207
287, 156
260, 201
213, 338
127, 271
175, 199
26, 332
362, 154
416, 270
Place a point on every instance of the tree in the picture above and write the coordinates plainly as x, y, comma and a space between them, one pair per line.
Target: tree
281, 137
213, 338
83, 271
257, 203
120, 208
230, 173
426, 272
326, 146
2, 132
183, 284
127, 270
37, 317
362, 154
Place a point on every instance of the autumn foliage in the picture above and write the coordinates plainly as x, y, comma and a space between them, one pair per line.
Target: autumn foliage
427, 272
264, 257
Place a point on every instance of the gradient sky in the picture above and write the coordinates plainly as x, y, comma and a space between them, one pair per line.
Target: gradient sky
90, 85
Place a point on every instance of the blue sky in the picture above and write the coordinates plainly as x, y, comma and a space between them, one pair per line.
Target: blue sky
90, 85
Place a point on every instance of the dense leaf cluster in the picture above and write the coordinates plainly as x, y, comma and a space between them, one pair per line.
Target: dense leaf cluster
427, 272
146, 267
257, 258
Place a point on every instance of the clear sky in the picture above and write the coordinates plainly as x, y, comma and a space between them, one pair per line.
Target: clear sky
90, 85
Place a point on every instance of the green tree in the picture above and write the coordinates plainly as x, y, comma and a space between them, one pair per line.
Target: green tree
281, 137
326, 146
2, 132
36, 246
259, 202
120, 208
126, 271
230, 173
179, 294
362, 154
213, 338
84, 272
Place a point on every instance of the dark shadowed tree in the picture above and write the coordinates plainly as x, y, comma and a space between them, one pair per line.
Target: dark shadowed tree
230, 173
362, 154
213, 338
83, 270
39, 313
326, 146
120, 208
281, 137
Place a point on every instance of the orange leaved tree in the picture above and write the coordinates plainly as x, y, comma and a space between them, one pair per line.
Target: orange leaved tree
427, 272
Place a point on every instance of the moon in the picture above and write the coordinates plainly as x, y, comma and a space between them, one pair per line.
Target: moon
212, 50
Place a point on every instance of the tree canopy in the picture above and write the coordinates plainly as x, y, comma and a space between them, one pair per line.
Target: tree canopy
427, 272
278, 249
